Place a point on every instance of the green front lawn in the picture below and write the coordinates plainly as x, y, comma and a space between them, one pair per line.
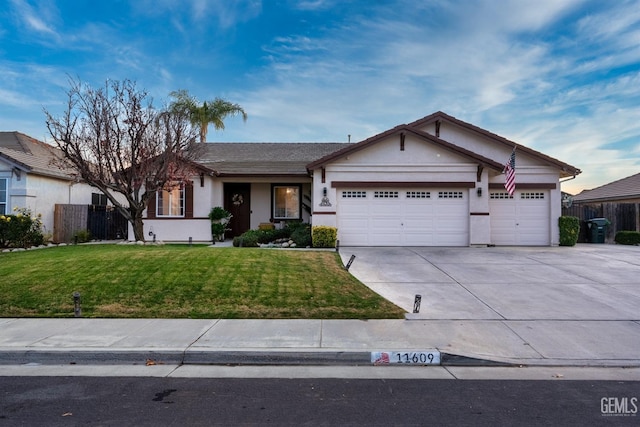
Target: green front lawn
178, 281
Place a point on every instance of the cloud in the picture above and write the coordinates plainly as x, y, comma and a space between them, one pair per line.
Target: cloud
228, 13
38, 19
312, 5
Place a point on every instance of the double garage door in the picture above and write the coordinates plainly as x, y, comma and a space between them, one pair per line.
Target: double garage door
403, 217
521, 220
439, 217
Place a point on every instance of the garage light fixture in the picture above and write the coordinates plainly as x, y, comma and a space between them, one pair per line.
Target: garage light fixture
479, 191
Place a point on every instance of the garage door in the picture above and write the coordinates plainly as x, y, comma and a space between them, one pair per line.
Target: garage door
403, 217
520, 220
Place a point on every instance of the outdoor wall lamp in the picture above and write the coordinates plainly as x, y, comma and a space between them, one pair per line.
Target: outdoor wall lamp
324, 191
479, 191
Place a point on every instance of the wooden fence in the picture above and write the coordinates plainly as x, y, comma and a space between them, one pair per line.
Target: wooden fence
622, 216
67, 221
103, 222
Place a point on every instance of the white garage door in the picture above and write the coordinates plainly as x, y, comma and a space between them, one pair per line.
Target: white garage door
403, 217
520, 220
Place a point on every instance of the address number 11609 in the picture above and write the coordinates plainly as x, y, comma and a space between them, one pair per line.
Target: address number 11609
405, 357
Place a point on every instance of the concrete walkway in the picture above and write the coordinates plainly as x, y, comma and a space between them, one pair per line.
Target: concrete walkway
523, 306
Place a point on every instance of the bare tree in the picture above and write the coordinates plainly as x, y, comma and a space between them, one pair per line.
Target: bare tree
119, 143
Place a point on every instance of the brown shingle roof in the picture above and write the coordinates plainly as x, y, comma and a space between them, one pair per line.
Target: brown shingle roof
622, 189
32, 155
264, 158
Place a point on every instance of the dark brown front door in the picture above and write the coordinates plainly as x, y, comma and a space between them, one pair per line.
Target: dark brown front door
237, 200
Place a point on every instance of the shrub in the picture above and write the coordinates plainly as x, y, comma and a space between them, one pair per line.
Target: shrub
218, 213
324, 236
627, 238
83, 236
250, 239
302, 236
299, 232
219, 219
569, 230
20, 230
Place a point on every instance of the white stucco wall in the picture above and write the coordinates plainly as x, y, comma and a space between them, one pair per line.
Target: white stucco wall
426, 162
211, 194
40, 194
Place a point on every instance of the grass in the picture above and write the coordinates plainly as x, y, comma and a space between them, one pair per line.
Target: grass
178, 281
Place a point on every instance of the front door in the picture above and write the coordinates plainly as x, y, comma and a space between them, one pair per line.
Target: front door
237, 200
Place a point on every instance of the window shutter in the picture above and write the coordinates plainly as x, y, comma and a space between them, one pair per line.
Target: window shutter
151, 206
188, 200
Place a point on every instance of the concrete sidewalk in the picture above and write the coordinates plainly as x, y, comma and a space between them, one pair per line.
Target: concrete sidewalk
480, 306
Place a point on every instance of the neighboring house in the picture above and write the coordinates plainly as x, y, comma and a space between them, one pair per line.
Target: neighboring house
618, 202
625, 190
435, 182
31, 177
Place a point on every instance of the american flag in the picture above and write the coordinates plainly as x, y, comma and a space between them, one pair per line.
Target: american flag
510, 172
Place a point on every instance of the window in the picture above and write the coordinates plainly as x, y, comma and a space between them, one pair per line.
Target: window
418, 194
286, 201
500, 195
532, 195
385, 194
98, 199
3, 196
354, 194
449, 194
170, 202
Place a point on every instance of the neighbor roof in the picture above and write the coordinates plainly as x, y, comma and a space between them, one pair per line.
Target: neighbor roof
622, 189
32, 156
264, 158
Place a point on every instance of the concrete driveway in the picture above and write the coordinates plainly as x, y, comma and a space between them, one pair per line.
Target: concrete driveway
579, 302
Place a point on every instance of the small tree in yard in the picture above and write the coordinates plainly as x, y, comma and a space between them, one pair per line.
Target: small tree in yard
119, 143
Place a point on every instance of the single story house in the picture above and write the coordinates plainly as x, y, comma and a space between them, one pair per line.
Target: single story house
437, 181
625, 190
617, 201
31, 176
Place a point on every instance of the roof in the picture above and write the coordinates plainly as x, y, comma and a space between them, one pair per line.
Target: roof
622, 189
263, 158
33, 156
566, 169
351, 148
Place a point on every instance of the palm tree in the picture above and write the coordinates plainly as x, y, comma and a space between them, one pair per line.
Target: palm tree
209, 112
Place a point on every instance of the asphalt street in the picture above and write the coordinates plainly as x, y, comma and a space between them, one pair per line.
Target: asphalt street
63, 401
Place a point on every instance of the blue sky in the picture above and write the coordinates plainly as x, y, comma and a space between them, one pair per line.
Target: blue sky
560, 76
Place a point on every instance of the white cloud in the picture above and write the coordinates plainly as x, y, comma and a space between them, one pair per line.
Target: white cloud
227, 12
39, 19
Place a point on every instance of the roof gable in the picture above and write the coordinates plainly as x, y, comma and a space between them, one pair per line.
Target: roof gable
400, 131
566, 169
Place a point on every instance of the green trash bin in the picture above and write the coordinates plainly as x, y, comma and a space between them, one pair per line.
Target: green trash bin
597, 229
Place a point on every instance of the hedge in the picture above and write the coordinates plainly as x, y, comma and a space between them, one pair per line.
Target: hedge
569, 230
628, 238
324, 236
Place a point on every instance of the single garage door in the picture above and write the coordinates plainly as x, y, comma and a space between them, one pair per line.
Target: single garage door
520, 220
403, 217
